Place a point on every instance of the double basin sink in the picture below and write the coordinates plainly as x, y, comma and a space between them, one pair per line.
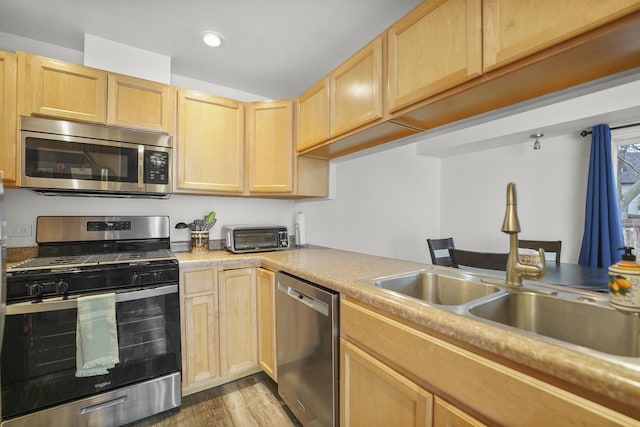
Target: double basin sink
581, 320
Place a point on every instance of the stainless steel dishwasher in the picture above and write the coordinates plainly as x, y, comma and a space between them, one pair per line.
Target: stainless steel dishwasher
307, 346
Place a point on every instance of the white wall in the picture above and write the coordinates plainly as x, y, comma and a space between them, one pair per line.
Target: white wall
23, 207
385, 204
550, 184
389, 202
11, 42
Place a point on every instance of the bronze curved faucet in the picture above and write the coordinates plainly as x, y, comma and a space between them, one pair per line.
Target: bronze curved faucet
516, 270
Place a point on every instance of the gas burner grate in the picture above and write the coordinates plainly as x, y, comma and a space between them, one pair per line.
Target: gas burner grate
92, 259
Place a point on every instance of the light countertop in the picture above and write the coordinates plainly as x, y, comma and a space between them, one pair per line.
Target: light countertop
605, 381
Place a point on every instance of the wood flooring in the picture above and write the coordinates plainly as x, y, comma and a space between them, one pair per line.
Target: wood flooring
252, 401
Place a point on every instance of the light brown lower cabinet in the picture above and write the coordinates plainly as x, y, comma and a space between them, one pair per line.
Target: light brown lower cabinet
376, 395
447, 415
218, 316
238, 328
468, 389
266, 292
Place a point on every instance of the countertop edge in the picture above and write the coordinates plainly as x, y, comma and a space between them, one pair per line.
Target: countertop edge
341, 270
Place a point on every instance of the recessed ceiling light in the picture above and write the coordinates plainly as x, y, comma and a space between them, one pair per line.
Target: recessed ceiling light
211, 38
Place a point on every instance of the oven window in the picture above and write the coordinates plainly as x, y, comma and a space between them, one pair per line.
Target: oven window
46, 158
249, 239
38, 355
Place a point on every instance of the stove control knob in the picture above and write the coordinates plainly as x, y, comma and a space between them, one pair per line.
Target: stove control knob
156, 276
135, 279
35, 290
62, 287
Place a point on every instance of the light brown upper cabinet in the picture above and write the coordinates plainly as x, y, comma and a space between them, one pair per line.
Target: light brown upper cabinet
62, 90
436, 46
270, 151
313, 115
59, 89
8, 123
137, 103
356, 109
210, 141
356, 89
514, 29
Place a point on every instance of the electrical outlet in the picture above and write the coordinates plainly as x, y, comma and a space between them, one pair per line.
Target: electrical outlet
19, 230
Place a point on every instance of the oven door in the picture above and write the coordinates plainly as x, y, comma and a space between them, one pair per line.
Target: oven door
38, 362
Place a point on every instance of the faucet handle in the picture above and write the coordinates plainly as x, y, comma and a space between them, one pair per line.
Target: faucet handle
543, 263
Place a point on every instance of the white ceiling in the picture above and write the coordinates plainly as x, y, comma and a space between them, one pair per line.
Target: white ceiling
275, 49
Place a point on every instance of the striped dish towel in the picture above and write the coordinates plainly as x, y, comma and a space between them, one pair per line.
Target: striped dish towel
96, 335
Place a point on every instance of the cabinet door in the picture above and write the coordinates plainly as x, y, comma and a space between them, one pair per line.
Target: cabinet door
313, 115
200, 343
513, 29
356, 89
199, 325
63, 90
267, 322
447, 415
375, 395
210, 143
137, 103
237, 309
270, 147
435, 47
8, 117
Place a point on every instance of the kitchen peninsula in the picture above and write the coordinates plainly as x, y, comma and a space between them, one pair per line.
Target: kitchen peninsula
453, 366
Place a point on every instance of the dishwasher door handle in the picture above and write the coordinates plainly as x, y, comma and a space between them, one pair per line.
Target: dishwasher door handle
313, 303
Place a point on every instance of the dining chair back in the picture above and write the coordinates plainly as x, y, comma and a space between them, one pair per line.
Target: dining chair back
488, 260
439, 251
549, 246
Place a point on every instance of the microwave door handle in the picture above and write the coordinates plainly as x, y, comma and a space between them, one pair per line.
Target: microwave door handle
57, 305
141, 166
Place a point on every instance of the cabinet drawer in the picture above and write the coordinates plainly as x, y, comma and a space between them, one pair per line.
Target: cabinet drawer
199, 281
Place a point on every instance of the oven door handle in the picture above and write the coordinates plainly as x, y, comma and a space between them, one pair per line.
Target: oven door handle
60, 304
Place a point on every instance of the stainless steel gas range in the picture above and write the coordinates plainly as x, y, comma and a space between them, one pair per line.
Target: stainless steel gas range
127, 256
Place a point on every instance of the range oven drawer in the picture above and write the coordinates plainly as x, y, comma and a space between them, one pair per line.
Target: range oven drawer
110, 409
38, 362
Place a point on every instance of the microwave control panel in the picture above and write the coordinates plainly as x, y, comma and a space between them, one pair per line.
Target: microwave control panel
156, 167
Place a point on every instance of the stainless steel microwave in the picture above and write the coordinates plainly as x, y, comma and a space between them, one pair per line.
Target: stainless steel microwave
77, 158
251, 238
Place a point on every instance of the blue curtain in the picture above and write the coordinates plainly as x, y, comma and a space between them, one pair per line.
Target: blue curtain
602, 238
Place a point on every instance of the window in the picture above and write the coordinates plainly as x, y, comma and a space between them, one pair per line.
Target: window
626, 143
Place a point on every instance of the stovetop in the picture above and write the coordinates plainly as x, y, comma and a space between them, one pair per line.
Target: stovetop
88, 260
79, 255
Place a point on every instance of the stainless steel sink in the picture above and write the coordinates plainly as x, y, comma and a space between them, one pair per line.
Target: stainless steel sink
436, 288
586, 322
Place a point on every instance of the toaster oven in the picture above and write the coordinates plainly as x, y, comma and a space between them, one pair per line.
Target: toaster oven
251, 238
